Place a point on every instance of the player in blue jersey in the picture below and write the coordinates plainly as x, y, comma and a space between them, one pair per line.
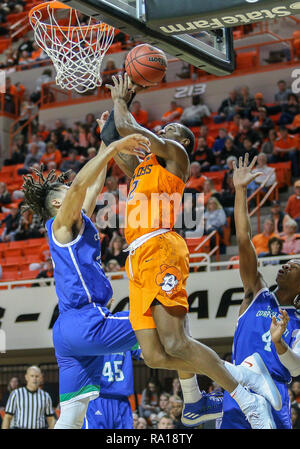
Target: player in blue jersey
267, 332
85, 328
112, 409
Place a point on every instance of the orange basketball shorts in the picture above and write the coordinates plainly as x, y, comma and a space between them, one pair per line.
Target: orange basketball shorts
160, 269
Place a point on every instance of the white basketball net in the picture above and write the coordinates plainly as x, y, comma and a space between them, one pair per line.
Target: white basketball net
76, 50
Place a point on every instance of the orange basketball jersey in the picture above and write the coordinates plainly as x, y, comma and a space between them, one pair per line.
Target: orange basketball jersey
153, 200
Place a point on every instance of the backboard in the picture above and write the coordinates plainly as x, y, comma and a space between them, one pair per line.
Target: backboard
208, 50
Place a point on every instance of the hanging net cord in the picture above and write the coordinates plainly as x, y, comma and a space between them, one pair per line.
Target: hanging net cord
76, 51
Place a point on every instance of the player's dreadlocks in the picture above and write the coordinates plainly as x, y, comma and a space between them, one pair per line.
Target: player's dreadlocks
37, 190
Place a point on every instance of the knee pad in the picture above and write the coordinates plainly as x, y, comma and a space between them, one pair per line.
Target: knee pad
72, 414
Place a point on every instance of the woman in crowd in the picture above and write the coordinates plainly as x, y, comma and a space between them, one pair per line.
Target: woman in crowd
115, 250
214, 216
5, 197
51, 155
109, 71
291, 239
208, 191
12, 385
150, 399
268, 145
275, 245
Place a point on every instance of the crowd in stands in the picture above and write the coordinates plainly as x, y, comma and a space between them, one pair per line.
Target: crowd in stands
9, 7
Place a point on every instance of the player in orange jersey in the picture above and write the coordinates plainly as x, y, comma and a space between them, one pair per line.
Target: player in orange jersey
158, 268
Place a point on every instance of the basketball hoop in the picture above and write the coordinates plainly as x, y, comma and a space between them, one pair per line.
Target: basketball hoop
76, 49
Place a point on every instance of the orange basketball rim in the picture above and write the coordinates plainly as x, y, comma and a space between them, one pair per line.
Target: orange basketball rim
75, 47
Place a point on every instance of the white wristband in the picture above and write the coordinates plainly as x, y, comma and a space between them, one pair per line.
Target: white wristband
291, 360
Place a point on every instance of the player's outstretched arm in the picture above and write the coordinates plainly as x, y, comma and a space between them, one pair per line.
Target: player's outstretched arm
69, 214
126, 124
250, 276
109, 134
95, 189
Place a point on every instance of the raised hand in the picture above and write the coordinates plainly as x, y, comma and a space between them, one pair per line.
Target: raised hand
242, 175
120, 89
101, 122
134, 144
278, 327
136, 88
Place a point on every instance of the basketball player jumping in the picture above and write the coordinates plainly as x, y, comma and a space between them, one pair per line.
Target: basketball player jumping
158, 268
85, 329
268, 323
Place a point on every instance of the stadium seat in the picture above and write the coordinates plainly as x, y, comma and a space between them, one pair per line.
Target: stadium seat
36, 242
16, 168
283, 173
7, 169
115, 48
195, 130
10, 268
13, 18
7, 178
13, 252
17, 244
217, 177
246, 60
193, 242
10, 260
31, 258
28, 274
9, 276
32, 251
238, 34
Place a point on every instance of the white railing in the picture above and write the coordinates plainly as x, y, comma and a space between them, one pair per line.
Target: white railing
262, 261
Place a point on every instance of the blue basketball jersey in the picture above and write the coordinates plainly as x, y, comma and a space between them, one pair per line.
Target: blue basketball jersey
79, 276
112, 410
117, 374
253, 333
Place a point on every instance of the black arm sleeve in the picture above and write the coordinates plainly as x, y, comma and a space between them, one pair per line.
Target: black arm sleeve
109, 132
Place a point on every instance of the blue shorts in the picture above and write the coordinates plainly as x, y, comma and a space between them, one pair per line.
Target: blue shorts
108, 413
81, 337
234, 418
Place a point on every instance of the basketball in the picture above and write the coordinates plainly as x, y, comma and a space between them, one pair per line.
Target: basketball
146, 65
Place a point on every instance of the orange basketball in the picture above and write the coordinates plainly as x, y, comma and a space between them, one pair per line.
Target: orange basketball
146, 65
